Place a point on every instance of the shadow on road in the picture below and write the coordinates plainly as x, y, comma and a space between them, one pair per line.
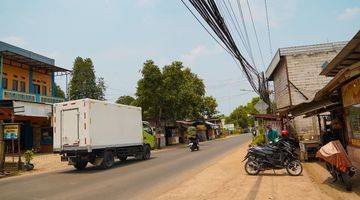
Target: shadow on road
97, 169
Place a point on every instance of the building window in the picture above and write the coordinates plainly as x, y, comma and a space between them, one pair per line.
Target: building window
15, 85
22, 86
5, 83
36, 89
44, 90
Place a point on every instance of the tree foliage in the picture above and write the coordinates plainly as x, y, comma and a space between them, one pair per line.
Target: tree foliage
84, 83
209, 107
173, 93
126, 100
148, 91
59, 92
240, 116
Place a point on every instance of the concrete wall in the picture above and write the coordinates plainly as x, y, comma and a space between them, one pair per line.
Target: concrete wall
303, 69
280, 86
16, 71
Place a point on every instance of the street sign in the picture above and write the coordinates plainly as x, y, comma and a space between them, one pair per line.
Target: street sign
261, 106
11, 131
229, 127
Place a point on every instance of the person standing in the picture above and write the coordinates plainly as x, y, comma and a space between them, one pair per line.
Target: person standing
271, 134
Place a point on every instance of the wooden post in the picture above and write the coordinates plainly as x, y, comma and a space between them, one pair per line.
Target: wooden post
2, 149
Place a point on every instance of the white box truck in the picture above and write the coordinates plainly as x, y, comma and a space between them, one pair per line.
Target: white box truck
95, 131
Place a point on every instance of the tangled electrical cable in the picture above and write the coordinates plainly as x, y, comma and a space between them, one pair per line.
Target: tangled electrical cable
211, 14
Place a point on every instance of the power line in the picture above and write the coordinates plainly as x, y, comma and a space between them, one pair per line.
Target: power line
256, 36
235, 23
268, 25
210, 13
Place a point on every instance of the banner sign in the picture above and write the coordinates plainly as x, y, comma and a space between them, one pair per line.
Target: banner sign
11, 131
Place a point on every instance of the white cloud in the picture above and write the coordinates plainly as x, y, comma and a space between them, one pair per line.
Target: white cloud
15, 40
349, 13
200, 51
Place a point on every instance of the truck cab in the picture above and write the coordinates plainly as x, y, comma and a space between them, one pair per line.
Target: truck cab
148, 134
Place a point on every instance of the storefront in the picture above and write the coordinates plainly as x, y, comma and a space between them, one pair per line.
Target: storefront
351, 105
340, 100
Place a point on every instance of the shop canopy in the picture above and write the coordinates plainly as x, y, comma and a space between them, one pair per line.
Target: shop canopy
344, 68
26, 57
348, 56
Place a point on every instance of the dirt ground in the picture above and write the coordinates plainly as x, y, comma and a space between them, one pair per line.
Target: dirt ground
227, 179
42, 163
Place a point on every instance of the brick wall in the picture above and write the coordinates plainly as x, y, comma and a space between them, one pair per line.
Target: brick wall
303, 70
280, 86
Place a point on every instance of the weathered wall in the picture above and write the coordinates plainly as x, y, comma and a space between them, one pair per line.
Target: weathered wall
304, 70
280, 86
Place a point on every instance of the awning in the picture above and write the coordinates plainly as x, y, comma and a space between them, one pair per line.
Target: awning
313, 107
349, 55
29, 58
266, 116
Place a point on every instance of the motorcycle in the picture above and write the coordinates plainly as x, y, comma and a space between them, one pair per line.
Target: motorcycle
279, 155
193, 145
337, 163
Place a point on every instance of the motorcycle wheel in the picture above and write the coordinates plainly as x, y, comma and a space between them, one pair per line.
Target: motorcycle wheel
345, 179
333, 173
252, 167
294, 168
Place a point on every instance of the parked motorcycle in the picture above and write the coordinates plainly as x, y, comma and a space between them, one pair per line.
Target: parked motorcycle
337, 163
278, 155
193, 144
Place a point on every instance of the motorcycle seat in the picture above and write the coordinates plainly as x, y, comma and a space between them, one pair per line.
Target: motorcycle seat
264, 150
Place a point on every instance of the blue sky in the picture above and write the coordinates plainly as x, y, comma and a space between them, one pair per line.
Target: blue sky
120, 35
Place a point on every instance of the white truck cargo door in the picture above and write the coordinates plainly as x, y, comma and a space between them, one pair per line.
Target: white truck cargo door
70, 127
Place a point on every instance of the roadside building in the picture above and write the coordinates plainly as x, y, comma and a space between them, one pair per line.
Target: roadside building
295, 75
340, 97
27, 92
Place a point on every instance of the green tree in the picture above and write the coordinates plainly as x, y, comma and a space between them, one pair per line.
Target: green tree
59, 92
126, 100
148, 91
241, 116
175, 93
209, 107
84, 83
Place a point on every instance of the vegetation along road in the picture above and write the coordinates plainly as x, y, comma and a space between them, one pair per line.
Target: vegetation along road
127, 180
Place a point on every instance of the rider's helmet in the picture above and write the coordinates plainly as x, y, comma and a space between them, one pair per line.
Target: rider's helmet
284, 133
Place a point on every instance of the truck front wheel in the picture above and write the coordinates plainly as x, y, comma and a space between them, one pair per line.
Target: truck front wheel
147, 152
108, 160
80, 164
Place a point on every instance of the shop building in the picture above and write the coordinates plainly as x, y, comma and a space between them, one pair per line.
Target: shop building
27, 92
340, 100
295, 75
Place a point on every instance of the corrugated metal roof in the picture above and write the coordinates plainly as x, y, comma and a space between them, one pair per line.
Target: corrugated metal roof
304, 49
28, 57
349, 55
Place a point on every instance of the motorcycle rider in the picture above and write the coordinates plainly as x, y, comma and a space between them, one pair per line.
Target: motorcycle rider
193, 137
271, 134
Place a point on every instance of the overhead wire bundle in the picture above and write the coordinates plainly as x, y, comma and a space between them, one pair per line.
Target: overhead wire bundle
211, 14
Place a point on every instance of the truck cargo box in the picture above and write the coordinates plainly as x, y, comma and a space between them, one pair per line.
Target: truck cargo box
88, 124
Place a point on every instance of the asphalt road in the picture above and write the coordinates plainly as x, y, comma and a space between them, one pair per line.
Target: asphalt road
126, 180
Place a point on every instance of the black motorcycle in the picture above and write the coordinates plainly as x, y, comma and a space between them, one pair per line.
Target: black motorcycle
279, 155
193, 144
342, 176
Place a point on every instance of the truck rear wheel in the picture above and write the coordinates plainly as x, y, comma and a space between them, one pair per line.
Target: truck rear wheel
108, 160
80, 164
